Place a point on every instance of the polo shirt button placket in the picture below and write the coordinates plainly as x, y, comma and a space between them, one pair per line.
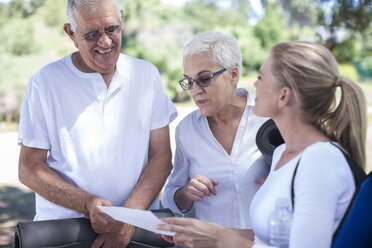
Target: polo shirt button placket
108, 112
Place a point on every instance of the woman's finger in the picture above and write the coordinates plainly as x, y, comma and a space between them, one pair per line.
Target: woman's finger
178, 220
207, 185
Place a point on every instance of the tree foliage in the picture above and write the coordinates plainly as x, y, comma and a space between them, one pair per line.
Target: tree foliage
349, 16
54, 13
18, 37
157, 32
270, 29
22, 8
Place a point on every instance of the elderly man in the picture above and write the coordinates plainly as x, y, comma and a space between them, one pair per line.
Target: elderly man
94, 127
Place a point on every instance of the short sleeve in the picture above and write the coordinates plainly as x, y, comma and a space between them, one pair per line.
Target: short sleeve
32, 130
163, 110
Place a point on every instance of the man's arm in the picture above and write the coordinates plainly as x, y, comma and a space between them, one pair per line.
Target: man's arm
38, 176
156, 171
147, 189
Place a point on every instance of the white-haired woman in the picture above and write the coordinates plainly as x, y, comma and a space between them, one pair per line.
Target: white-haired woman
216, 160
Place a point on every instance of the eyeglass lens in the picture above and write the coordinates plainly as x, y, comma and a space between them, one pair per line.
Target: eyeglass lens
202, 81
110, 31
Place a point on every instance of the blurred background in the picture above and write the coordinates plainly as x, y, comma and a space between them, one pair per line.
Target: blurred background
31, 35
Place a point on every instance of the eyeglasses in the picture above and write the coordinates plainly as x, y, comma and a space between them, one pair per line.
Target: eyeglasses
202, 81
109, 31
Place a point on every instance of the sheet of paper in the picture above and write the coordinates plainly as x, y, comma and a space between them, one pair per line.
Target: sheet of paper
142, 218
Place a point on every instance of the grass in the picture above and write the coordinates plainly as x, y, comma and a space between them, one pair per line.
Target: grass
16, 205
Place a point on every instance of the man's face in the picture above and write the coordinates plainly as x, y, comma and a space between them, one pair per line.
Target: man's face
98, 38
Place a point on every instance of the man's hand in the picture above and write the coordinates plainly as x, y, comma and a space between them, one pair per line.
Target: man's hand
111, 233
119, 237
101, 222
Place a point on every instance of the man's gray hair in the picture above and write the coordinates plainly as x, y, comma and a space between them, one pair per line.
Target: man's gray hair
74, 5
222, 49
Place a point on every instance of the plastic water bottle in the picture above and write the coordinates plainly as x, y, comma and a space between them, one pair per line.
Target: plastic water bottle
280, 223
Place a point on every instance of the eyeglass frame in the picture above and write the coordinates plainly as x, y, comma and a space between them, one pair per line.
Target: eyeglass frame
117, 30
190, 81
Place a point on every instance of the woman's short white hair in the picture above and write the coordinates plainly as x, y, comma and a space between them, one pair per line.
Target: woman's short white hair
222, 49
74, 5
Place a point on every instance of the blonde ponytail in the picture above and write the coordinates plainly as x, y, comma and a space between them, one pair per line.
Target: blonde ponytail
311, 71
349, 123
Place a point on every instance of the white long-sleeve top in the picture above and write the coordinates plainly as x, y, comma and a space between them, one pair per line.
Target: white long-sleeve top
199, 153
323, 188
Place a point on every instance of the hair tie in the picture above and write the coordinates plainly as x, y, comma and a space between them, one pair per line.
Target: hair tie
337, 82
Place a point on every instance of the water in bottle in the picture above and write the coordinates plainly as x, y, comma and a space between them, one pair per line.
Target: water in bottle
280, 222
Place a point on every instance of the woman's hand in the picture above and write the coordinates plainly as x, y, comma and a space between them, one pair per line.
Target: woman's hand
195, 190
195, 233
200, 187
191, 232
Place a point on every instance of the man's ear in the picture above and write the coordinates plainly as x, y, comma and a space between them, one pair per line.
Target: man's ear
286, 97
69, 32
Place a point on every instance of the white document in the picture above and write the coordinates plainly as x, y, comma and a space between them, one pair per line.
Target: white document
142, 218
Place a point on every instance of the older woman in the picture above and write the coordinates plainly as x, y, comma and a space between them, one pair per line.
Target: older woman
216, 160
297, 88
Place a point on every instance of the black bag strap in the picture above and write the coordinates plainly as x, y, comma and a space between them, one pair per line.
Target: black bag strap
358, 172
292, 187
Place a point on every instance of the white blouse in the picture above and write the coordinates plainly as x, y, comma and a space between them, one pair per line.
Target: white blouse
199, 153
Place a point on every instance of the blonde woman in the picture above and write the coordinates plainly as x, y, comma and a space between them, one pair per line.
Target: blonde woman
297, 88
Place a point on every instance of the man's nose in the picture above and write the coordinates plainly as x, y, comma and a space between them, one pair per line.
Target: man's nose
104, 40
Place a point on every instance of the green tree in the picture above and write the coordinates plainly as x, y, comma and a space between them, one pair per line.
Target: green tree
23, 8
18, 37
54, 13
3, 16
154, 32
352, 16
348, 49
271, 29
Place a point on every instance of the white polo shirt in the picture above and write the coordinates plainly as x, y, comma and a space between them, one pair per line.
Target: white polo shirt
199, 153
97, 137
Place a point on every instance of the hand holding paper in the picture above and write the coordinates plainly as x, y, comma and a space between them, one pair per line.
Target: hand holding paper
141, 218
